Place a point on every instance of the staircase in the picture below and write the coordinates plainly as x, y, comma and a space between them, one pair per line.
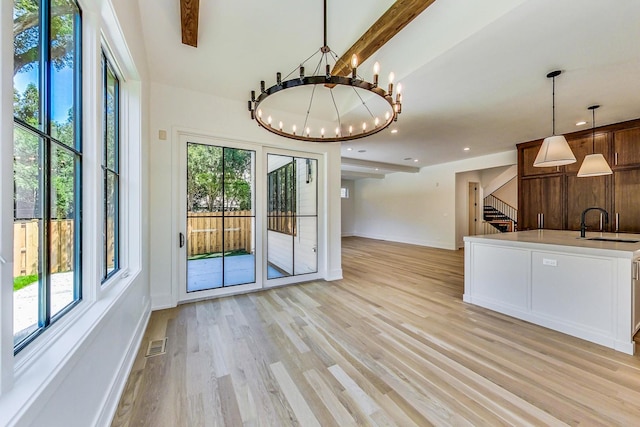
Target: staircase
499, 216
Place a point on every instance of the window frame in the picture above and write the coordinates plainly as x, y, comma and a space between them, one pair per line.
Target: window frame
108, 66
281, 209
47, 145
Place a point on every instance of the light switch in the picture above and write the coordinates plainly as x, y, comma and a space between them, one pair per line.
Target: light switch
162, 134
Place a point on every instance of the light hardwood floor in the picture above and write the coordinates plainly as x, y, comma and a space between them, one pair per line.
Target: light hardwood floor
390, 344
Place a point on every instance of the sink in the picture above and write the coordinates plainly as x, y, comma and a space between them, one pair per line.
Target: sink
612, 239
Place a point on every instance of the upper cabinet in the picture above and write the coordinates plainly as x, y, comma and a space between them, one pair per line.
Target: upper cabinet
626, 147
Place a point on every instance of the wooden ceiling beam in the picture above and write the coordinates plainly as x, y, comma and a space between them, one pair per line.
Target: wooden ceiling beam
388, 25
189, 13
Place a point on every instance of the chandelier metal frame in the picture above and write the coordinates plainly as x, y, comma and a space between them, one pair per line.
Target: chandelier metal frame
329, 81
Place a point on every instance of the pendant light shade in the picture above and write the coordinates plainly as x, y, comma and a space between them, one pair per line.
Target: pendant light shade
555, 150
594, 164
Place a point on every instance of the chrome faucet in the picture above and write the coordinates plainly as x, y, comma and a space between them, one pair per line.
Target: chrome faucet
583, 226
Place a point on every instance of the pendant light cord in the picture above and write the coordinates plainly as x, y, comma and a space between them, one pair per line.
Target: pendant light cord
553, 106
325, 23
593, 132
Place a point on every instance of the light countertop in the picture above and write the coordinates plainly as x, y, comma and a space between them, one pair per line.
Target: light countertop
569, 240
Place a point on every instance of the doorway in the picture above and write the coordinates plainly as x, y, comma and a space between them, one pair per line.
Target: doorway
474, 208
220, 229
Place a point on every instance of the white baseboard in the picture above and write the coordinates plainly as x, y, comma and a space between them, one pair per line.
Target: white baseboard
418, 242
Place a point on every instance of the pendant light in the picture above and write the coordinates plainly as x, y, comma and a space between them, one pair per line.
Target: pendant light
555, 150
594, 164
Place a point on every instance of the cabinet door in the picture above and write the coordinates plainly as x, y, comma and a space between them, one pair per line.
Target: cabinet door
627, 200
626, 147
585, 145
528, 155
541, 196
583, 193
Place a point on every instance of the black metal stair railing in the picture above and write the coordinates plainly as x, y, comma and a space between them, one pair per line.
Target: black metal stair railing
499, 214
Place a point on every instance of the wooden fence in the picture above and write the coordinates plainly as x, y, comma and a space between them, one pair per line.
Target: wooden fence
204, 237
25, 246
205, 233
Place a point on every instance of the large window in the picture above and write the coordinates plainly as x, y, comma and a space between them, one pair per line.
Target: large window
110, 169
47, 164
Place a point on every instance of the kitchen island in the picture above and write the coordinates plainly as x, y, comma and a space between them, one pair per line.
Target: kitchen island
579, 286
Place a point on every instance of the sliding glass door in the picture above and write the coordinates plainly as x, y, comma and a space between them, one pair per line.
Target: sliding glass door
220, 238
292, 216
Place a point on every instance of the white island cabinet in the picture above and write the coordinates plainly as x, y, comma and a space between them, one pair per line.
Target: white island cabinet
581, 287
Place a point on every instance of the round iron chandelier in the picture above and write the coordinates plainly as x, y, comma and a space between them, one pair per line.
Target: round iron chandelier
378, 105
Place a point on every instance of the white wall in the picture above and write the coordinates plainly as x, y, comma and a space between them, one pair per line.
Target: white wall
417, 208
508, 193
348, 209
73, 374
175, 109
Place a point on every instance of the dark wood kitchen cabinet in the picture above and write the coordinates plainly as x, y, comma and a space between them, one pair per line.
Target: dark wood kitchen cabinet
541, 203
626, 211
583, 193
561, 196
626, 147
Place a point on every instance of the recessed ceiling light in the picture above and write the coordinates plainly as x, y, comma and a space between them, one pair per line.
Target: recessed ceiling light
415, 160
349, 149
362, 151
408, 158
394, 130
377, 169
581, 123
466, 148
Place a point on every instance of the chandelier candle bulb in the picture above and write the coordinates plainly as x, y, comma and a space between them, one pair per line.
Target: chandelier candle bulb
269, 121
364, 126
301, 72
322, 133
337, 132
354, 65
280, 124
377, 122
308, 131
350, 130
278, 78
262, 85
294, 129
376, 73
328, 70
253, 96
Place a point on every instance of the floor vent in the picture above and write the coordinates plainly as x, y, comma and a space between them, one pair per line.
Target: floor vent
156, 347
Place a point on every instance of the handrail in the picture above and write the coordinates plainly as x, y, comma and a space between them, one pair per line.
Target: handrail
502, 206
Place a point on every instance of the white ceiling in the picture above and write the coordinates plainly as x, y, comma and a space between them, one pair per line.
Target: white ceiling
474, 72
